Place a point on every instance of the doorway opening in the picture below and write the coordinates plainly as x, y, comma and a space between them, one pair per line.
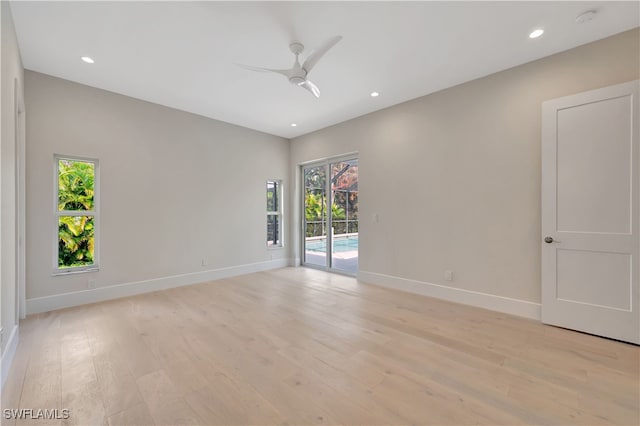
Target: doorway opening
330, 215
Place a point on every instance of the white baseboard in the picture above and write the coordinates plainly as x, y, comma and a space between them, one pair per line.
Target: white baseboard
66, 300
507, 305
7, 355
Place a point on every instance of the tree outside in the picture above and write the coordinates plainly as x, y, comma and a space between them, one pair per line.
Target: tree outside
344, 208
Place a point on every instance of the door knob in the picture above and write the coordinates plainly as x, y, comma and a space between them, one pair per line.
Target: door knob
548, 240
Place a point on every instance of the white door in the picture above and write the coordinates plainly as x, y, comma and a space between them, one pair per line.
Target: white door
590, 214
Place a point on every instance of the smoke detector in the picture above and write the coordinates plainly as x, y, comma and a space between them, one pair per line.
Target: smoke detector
587, 16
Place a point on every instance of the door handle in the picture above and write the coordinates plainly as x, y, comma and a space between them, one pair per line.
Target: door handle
548, 240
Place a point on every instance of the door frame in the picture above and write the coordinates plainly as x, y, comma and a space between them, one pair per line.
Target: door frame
20, 215
325, 162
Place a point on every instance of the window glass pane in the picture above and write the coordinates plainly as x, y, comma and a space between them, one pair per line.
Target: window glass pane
315, 205
273, 196
315, 178
75, 241
75, 185
353, 205
344, 214
273, 230
339, 212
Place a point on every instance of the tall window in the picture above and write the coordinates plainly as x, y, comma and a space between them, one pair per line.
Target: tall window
274, 213
76, 214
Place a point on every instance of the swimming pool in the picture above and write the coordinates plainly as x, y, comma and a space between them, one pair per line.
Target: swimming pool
340, 244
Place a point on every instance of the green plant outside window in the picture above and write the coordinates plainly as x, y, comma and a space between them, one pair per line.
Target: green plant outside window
76, 213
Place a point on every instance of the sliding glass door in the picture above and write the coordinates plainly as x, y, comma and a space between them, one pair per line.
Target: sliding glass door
344, 215
330, 215
315, 215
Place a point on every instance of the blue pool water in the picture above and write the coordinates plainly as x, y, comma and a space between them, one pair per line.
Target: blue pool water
340, 244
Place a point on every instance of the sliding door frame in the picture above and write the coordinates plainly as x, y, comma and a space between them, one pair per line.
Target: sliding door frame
326, 163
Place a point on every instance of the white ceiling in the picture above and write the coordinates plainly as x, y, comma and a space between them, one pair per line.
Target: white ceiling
183, 54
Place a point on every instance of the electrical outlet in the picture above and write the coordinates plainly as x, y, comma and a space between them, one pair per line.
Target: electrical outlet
204, 262
91, 283
448, 275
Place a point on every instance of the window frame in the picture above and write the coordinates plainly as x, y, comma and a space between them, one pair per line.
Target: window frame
278, 212
95, 213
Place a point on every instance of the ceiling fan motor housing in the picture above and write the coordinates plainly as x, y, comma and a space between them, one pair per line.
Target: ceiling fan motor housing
296, 47
297, 80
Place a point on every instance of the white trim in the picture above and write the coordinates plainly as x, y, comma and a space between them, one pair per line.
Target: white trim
507, 305
20, 204
336, 158
8, 354
75, 270
66, 300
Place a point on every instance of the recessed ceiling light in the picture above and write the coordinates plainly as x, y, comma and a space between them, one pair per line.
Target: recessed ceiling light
87, 59
536, 33
293, 124
375, 94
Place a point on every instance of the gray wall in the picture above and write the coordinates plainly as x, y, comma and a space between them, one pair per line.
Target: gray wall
12, 76
175, 188
455, 176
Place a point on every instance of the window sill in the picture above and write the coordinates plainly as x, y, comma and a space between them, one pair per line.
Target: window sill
74, 271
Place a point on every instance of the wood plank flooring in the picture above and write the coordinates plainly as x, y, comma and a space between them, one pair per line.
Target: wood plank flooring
299, 346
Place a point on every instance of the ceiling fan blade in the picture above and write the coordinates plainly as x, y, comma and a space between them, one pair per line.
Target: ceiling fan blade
311, 88
260, 69
313, 59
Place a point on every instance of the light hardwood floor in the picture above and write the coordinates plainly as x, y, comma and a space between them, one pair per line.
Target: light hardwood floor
300, 346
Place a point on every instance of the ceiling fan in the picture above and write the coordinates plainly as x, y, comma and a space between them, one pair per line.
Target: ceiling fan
298, 73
